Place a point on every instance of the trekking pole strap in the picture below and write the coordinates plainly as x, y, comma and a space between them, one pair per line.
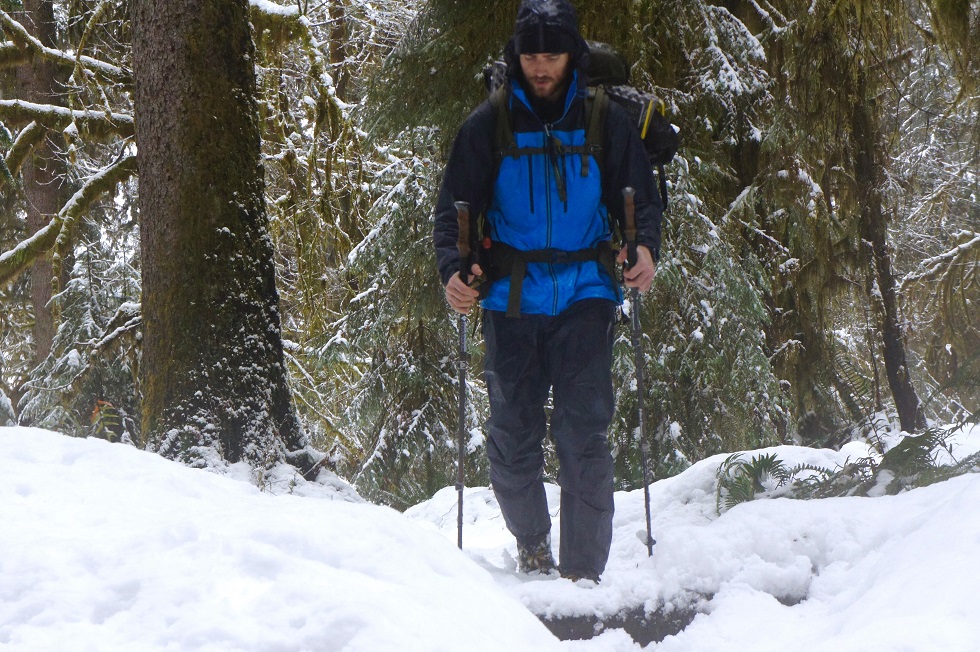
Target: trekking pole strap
662, 178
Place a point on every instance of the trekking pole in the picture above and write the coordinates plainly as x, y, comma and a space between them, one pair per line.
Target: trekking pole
629, 211
465, 255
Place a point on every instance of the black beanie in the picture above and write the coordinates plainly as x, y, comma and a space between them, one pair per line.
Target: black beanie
546, 26
544, 38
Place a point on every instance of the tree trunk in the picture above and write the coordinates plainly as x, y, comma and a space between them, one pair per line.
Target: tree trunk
214, 380
868, 175
43, 172
338, 48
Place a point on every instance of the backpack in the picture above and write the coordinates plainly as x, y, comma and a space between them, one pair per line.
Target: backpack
608, 75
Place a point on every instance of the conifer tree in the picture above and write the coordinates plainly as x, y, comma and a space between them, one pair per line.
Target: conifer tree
55, 143
214, 377
769, 316
838, 76
44, 172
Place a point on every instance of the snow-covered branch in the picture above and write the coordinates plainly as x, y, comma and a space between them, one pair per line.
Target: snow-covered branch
937, 266
98, 124
28, 137
289, 24
128, 319
15, 261
58, 230
12, 56
30, 46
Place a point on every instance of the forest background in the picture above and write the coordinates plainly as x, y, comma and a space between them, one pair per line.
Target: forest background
819, 277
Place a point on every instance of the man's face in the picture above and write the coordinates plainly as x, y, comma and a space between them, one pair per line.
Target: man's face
546, 73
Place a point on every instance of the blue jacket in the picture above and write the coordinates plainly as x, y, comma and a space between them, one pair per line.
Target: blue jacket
521, 202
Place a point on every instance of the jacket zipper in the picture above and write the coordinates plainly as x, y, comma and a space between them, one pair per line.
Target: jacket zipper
530, 182
547, 194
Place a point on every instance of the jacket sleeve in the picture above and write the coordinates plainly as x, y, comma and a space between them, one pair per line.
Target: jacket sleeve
469, 176
626, 164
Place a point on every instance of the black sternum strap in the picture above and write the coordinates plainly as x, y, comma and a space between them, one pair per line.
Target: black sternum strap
512, 262
516, 152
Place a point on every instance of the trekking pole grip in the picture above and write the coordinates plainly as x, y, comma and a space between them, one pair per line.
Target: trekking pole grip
463, 242
629, 232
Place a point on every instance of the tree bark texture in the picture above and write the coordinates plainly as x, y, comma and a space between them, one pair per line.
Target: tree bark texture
868, 177
214, 380
43, 172
338, 48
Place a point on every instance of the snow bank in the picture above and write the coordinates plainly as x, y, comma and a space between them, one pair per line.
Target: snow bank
105, 547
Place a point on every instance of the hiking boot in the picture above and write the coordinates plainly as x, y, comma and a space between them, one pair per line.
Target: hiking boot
534, 555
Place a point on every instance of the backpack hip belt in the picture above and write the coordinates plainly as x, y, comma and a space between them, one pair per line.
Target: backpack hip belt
508, 261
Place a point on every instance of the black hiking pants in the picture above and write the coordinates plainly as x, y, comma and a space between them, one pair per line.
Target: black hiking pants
570, 354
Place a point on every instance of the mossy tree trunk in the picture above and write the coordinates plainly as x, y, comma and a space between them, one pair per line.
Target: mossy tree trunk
338, 48
214, 382
43, 172
869, 178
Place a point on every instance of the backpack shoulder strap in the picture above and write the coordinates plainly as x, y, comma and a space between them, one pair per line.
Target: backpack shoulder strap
504, 139
596, 107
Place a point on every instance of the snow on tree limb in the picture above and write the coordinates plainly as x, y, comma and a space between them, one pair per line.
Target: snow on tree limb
28, 137
281, 23
58, 230
128, 319
286, 24
98, 124
938, 265
12, 56
32, 47
18, 259
272, 11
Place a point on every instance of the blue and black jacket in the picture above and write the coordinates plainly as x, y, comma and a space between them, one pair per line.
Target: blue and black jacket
525, 207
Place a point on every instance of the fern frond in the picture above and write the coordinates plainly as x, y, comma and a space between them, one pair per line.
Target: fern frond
740, 481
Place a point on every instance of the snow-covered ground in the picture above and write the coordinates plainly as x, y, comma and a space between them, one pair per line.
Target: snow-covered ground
105, 547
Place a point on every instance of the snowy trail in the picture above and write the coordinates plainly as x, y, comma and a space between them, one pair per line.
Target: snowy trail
886, 573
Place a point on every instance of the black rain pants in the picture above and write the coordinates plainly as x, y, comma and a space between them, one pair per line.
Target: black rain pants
570, 354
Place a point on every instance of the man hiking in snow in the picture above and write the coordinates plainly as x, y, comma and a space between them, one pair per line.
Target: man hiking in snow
546, 275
